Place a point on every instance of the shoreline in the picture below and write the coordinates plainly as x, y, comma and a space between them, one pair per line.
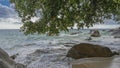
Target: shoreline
48, 52
97, 62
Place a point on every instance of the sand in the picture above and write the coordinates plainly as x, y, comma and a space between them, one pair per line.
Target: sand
112, 62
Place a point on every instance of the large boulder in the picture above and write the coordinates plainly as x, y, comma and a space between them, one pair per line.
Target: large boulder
95, 33
85, 50
7, 62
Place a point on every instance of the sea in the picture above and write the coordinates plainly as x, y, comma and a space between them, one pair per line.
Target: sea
42, 51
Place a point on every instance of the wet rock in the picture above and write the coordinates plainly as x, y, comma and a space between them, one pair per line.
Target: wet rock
115, 53
14, 56
30, 44
67, 45
85, 50
18, 65
95, 33
7, 62
116, 32
3, 65
38, 52
90, 31
117, 36
111, 30
74, 33
103, 30
89, 38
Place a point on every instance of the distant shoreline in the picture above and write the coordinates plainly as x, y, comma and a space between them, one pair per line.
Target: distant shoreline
9, 29
71, 29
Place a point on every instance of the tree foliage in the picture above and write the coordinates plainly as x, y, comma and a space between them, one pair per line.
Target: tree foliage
57, 15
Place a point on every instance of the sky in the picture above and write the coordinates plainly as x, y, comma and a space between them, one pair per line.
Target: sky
9, 18
5, 2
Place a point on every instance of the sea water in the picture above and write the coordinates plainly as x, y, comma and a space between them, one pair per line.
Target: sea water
42, 51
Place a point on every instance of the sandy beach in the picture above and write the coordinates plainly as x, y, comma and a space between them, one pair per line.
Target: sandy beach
111, 62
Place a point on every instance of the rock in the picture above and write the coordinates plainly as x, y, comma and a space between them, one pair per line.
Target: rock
117, 36
111, 30
89, 38
115, 53
18, 65
103, 30
38, 52
85, 50
14, 56
74, 33
30, 44
90, 31
95, 33
7, 62
116, 32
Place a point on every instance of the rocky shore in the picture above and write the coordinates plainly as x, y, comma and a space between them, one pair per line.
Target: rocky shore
7, 62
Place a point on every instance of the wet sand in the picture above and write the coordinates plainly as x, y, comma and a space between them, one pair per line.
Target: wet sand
112, 62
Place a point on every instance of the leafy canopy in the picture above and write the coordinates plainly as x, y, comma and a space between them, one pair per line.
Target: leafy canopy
54, 16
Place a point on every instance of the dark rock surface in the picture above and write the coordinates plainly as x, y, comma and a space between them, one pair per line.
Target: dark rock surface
85, 50
14, 56
116, 33
95, 33
7, 62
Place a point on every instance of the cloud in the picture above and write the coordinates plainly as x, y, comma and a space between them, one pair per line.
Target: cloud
10, 26
103, 26
110, 22
9, 18
6, 12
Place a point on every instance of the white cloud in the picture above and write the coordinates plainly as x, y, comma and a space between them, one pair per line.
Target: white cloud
10, 23
6, 12
34, 19
9, 26
9, 18
102, 26
109, 22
